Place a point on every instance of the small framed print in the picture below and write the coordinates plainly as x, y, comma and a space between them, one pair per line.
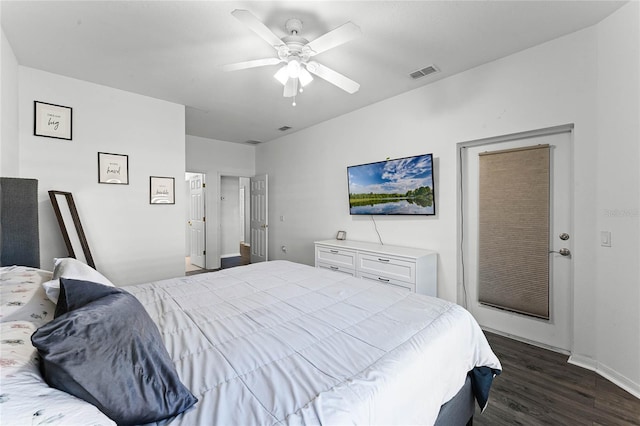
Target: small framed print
342, 235
113, 168
162, 190
52, 121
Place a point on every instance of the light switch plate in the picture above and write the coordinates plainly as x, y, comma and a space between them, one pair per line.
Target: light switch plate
605, 238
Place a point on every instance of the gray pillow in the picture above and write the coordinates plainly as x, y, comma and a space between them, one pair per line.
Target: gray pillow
103, 347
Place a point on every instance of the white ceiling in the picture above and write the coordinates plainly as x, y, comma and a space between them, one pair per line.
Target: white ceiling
174, 50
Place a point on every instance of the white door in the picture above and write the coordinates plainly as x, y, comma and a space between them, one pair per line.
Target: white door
197, 220
259, 219
557, 331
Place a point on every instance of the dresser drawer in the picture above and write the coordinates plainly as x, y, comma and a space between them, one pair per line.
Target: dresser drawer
336, 257
335, 268
411, 268
387, 267
388, 281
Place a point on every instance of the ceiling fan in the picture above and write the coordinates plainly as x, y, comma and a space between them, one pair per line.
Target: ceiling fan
295, 53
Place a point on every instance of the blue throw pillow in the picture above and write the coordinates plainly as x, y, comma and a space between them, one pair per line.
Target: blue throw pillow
103, 347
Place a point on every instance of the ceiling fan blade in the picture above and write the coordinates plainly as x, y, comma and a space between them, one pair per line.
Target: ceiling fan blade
291, 88
250, 20
251, 64
333, 77
342, 34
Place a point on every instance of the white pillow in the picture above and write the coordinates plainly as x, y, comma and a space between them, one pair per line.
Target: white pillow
74, 269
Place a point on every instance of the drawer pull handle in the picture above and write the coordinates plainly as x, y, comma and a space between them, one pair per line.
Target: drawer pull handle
383, 279
334, 251
335, 268
383, 260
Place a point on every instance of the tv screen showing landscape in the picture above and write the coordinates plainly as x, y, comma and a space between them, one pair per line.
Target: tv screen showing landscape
403, 186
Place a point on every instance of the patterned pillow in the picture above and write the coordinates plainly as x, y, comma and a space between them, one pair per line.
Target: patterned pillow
26, 399
16, 351
76, 270
22, 297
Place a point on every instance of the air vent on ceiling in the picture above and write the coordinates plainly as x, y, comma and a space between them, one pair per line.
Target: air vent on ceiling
253, 142
424, 72
284, 128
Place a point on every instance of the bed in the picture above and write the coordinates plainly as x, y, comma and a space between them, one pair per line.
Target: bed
265, 344
271, 343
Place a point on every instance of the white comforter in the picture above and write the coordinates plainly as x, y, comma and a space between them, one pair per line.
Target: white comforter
284, 343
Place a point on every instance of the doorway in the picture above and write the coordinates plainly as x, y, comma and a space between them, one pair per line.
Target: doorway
555, 332
234, 222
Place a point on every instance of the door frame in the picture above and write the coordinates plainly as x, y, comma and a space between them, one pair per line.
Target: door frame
462, 209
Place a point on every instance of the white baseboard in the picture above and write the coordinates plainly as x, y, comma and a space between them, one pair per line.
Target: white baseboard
527, 341
583, 361
608, 373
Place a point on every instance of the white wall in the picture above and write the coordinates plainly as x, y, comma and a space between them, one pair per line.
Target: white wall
131, 240
9, 146
552, 84
618, 188
217, 158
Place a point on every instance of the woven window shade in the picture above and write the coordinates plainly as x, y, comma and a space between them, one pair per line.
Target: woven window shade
513, 262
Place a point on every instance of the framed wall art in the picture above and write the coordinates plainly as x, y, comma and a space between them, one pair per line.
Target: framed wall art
52, 121
162, 190
113, 168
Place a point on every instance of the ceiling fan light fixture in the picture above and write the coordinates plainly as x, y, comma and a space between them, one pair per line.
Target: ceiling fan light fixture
293, 68
305, 78
296, 51
282, 75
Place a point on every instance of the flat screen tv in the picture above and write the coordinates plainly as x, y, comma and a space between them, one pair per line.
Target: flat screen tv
403, 186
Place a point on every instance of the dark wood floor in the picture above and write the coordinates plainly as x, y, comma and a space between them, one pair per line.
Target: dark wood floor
230, 262
225, 262
539, 387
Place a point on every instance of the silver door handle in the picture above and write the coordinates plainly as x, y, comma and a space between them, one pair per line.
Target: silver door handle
562, 252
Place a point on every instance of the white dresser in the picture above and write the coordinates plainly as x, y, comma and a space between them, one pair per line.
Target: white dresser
411, 268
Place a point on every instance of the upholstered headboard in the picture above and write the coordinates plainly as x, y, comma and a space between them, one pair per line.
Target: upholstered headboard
19, 236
